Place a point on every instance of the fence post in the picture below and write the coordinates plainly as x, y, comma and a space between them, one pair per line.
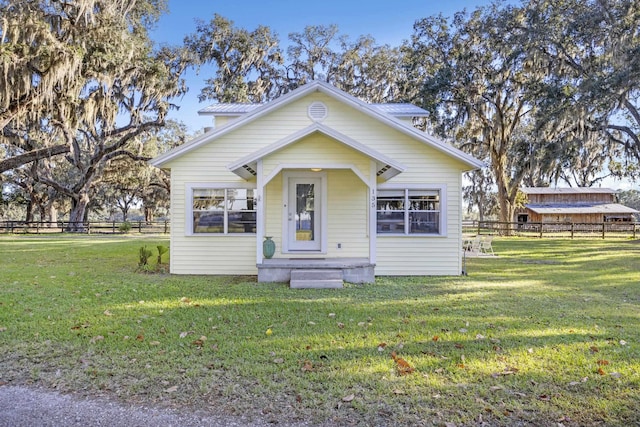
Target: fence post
139, 226
166, 227
634, 230
113, 227
572, 225
604, 225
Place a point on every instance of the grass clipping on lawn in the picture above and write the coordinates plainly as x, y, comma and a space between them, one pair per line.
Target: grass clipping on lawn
546, 333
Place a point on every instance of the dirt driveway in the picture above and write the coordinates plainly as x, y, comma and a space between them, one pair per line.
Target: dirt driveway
32, 407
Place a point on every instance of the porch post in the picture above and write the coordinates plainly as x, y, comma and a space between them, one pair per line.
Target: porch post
372, 211
260, 211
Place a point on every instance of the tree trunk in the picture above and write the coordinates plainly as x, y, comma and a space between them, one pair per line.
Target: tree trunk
148, 214
78, 213
29, 214
52, 214
506, 197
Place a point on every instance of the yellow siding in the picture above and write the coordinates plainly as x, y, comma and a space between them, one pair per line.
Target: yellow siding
415, 256
274, 212
317, 148
347, 194
347, 210
213, 255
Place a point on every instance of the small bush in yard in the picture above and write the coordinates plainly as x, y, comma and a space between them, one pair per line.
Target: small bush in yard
125, 227
143, 256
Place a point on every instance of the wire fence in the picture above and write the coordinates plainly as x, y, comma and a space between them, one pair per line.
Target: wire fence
571, 230
88, 227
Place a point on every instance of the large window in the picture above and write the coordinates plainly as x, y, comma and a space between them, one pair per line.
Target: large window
408, 211
224, 210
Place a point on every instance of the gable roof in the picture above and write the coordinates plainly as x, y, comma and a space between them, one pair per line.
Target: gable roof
386, 167
333, 92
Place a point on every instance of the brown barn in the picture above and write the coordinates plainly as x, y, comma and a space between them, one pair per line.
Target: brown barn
573, 205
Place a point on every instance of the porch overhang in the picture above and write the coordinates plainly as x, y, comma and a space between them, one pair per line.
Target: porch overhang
386, 168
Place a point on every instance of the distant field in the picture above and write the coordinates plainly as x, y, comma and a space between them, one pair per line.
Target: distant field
547, 333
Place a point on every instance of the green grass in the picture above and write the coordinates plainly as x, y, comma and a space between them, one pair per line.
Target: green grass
520, 341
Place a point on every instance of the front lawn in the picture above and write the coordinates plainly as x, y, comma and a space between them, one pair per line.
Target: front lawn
546, 333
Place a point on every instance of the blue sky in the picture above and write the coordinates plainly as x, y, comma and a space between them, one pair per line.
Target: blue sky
389, 22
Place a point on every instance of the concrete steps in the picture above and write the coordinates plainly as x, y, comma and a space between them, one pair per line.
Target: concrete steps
316, 279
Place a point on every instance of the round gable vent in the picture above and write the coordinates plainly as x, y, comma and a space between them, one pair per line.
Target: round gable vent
317, 111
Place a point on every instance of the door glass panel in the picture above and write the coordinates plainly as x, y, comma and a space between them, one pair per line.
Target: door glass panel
305, 212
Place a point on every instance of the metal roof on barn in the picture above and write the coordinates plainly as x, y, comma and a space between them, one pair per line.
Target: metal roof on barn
580, 208
567, 190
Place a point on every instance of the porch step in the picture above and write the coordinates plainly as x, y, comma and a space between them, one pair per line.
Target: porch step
316, 279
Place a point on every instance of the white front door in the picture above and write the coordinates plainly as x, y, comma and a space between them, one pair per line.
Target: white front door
304, 213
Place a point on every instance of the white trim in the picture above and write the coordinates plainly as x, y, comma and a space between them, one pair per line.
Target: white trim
372, 216
188, 199
260, 212
334, 93
441, 188
322, 176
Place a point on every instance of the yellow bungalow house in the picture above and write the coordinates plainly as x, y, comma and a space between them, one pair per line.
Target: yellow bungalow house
345, 190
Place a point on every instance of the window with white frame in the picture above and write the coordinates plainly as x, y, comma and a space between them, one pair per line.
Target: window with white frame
224, 210
408, 211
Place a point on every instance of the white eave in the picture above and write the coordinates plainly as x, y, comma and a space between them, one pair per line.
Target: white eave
325, 88
386, 167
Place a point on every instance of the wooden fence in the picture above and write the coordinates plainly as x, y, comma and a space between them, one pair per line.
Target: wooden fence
91, 227
553, 229
528, 229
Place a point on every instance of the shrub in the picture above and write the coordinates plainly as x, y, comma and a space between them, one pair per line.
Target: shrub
161, 251
144, 255
125, 227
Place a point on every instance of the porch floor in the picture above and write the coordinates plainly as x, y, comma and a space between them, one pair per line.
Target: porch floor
354, 270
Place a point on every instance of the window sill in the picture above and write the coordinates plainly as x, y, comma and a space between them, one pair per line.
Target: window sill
409, 235
221, 234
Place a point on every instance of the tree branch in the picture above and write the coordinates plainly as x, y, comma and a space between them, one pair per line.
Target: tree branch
122, 153
31, 156
60, 188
